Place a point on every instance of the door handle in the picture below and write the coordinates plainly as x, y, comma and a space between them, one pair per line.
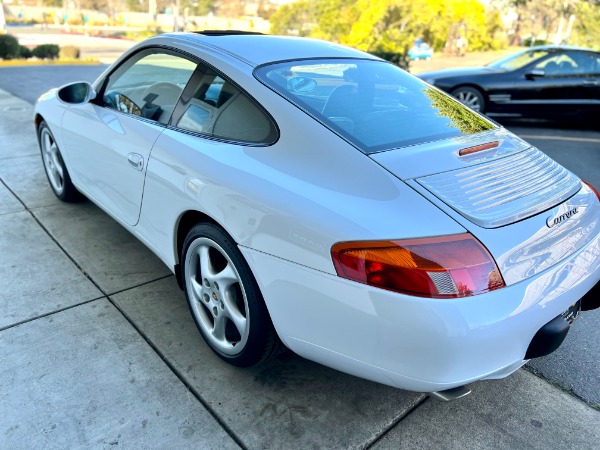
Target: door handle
590, 83
136, 160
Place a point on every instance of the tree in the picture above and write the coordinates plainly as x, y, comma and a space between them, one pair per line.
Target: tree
232, 8
197, 7
296, 19
587, 24
194, 7
265, 9
389, 27
137, 5
553, 21
335, 19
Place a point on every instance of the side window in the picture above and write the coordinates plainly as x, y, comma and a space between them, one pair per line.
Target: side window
587, 63
148, 85
220, 109
565, 64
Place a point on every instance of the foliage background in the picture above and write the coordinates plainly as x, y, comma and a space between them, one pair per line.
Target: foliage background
392, 26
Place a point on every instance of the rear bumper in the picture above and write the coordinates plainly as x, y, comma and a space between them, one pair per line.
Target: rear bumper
591, 300
548, 338
416, 343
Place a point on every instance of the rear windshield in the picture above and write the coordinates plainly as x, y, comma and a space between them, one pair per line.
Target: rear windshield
373, 104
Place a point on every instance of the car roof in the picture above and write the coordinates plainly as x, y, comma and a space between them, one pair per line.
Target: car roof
255, 49
556, 48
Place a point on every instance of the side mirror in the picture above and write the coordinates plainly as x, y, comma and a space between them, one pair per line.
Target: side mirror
534, 73
77, 93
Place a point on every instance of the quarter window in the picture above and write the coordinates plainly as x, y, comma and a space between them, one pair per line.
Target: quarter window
218, 108
149, 85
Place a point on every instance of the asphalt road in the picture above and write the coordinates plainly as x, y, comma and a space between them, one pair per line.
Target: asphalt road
575, 366
29, 82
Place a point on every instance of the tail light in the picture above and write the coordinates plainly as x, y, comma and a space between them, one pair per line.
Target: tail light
440, 267
594, 190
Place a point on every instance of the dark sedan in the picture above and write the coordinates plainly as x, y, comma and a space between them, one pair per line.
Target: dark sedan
540, 82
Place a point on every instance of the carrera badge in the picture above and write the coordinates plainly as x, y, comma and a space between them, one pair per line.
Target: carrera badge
552, 221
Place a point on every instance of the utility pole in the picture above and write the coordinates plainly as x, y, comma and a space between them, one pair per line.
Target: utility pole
152, 11
176, 16
2, 19
569, 28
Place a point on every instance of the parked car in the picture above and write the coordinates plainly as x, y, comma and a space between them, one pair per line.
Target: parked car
553, 82
420, 51
309, 194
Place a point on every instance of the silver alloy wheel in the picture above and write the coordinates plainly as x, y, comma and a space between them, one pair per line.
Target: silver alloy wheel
470, 99
217, 296
52, 161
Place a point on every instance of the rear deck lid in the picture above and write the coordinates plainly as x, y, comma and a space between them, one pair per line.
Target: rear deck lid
506, 181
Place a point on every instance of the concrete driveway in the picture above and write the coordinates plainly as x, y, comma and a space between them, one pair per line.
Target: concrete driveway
98, 350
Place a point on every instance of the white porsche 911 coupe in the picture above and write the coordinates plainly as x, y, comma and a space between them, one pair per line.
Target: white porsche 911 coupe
309, 194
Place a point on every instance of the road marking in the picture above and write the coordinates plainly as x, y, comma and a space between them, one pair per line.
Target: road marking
558, 138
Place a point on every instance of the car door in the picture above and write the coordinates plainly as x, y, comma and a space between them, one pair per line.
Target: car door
589, 66
552, 87
212, 128
109, 140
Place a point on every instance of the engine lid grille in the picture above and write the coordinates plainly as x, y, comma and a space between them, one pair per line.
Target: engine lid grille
504, 190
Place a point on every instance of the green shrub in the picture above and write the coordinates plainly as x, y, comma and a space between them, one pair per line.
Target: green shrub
69, 52
529, 42
400, 59
10, 21
9, 47
143, 34
24, 52
46, 51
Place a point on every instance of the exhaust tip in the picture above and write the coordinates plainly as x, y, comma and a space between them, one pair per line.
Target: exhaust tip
451, 394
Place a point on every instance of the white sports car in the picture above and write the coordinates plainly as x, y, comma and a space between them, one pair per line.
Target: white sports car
308, 193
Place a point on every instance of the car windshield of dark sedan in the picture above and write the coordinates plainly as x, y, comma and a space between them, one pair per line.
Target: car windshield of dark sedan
518, 60
374, 105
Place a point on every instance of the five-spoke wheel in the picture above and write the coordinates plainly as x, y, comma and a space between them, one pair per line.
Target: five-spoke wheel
54, 165
470, 97
224, 298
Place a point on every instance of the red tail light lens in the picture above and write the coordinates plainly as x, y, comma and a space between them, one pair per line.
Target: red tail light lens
478, 148
594, 190
441, 267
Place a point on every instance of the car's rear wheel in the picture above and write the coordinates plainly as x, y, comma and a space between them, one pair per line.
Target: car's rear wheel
470, 97
224, 298
54, 165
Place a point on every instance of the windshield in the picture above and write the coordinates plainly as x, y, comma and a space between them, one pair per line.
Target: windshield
518, 60
374, 105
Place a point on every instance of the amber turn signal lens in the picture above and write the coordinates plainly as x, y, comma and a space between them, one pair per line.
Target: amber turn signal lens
440, 267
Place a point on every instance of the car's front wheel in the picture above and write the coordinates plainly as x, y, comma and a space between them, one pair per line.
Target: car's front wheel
224, 298
54, 165
470, 97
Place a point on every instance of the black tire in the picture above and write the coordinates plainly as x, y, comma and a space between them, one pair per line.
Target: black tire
55, 167
471, 97
224, 298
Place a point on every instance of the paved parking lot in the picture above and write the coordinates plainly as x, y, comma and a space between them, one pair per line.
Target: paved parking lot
98, 350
